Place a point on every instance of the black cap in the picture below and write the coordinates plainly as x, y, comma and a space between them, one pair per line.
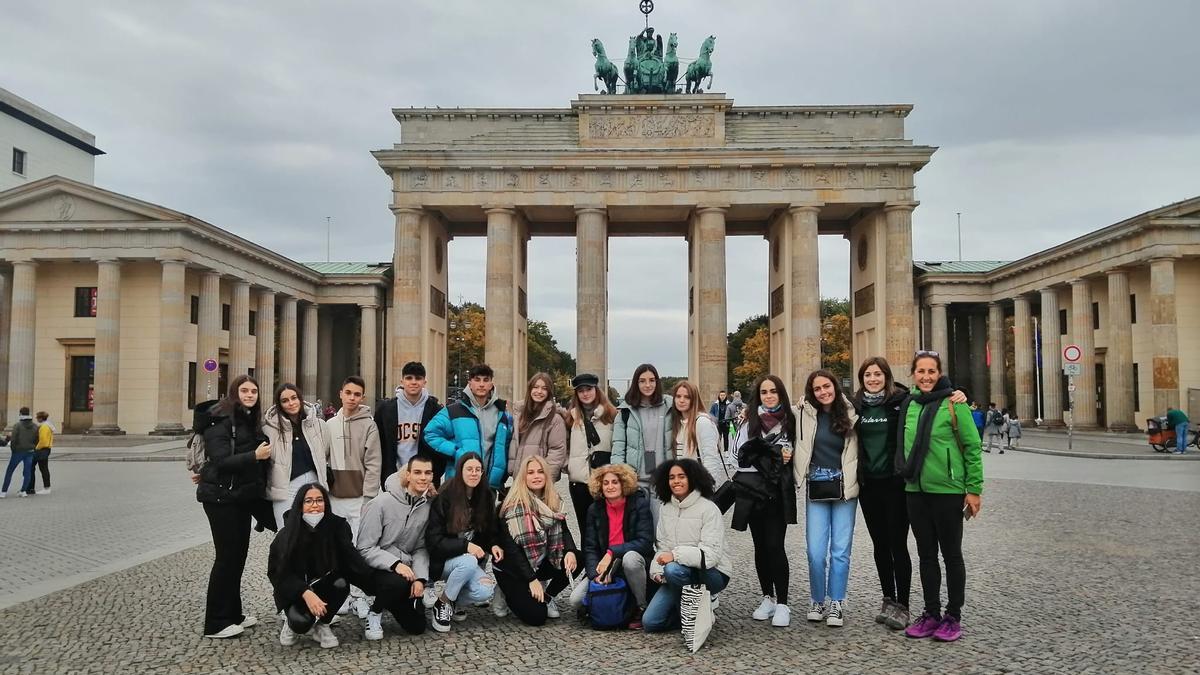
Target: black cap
585, 380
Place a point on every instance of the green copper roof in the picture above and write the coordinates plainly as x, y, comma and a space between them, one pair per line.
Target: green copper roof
347, 267
959, 266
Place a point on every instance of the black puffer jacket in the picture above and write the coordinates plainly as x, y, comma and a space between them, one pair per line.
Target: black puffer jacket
772, 486
231, 474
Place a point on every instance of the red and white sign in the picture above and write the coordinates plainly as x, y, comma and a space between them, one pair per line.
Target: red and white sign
1072, 353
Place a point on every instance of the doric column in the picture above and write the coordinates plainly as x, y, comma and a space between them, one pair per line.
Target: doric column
308, 382
1051, 359
591, 312
287, 341
172, 319
208, 336
326, 360
408, 296
1118, 360
500, 299
900, 336
1023, 352
939, 340
108, 348
5, 316
710, 302
1166, 334
241, 354
997, 349
264, 346
21, 338
1083, 332
805, 297
367, 351
976, 352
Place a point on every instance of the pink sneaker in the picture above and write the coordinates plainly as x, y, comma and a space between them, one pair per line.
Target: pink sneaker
949, 630
923, 627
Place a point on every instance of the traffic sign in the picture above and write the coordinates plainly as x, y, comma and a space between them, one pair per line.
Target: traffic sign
1072, 369
1072, 353
210, 365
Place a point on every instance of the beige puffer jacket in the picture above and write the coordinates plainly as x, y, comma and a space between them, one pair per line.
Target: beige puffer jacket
278, 430
546, 436
579, 455
806, 420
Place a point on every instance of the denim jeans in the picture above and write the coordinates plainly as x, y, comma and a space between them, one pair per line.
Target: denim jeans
663, 611
25, 460
1181, 436
829, 532
464, 576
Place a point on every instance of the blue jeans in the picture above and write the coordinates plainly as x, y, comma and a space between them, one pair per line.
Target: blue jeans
1181, 437
829, 532
663, 611
25, 459
464, 578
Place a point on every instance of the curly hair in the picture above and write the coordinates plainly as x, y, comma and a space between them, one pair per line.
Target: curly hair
698, 479
623, 472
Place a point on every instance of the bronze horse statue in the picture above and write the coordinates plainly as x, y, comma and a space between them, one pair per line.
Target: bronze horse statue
701, 67
605, 70
672, 62
631, 62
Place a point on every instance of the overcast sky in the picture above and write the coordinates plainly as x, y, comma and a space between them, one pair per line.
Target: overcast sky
1052, 118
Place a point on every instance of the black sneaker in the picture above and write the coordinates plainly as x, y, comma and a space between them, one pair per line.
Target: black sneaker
442, 613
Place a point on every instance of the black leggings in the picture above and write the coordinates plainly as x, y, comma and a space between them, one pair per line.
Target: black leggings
886, 513
392, 593
520, 600
42, 459
581, 499
332, 591
230, 525
767, 530
937, 523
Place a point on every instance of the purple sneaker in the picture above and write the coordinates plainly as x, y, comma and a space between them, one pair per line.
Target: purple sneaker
924, 627
949, 630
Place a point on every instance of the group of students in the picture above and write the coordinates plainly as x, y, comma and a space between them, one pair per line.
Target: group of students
422, 506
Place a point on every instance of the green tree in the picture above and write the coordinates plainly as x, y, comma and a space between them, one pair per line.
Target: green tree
734, 346
546, 357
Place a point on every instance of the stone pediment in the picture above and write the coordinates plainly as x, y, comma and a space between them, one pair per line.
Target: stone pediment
60, 200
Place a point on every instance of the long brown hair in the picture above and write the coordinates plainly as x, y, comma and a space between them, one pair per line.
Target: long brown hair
574, 415
754, 423
634, 396
839, 416
469, 508
691, 445
232, 401
529, 408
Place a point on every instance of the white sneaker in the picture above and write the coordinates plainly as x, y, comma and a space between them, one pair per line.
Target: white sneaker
782, 617
500, 605
232, 630
552, 609
765, 610
287, 637
460, 614
249, 621
361, 606
323, 634
374, 629
834, 619
429, 599
44, 491
345, 608
3, 495
816, 611
22, 494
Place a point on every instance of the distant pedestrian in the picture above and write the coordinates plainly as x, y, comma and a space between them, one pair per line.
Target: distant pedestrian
22, 441
1176, 419
41, 455
994, 426
1013, 437
978, 417
717, 412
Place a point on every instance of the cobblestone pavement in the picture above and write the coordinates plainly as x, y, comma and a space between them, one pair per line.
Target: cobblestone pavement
1063, 577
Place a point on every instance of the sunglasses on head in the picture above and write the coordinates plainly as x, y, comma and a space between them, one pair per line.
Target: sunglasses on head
926, 352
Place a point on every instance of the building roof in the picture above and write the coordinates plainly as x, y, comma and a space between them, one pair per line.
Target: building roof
43, 120
958, 266
330, 268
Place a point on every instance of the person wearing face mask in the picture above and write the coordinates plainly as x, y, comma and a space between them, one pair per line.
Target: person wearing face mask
763, 451
639, 432
230, 487
589, 420
300, 443
311, 565
540, 430
938, 456
689, 432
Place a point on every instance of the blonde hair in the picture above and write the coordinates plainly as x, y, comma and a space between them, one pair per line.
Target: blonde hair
691, 445
521, 494
623, 472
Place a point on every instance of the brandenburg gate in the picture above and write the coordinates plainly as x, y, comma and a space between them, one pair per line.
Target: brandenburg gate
691, 165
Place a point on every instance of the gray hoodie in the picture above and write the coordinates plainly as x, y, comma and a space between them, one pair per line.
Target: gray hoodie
392, 529
408, 426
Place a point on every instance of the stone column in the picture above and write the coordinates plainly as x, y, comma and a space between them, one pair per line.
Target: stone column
5, 315
287, 341
500, 299
327, 361
408, 305
939, 340
1051, 359
241, 355
805, 297
264, 347
172, 319
366, 350
977, 356
710, 302
108, 348
1118, 361
308, 383
900, 337
997, 349
21, 344
1166, 334
1023, 352
208, 336
591, 315
1083, 333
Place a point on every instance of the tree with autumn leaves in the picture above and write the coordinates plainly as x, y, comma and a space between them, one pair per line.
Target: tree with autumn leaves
466, 345
749, 347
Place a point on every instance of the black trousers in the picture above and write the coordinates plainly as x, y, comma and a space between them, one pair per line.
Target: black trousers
392, 593
520, 600
333, 591
230, 525
581, 499
885, 511
42, 459
937, 524
767, 530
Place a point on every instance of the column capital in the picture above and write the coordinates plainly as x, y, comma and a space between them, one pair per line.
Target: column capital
1164, 258
368, 305
712, 208
171, 260
1048, 290
414, 210
995, 303
937, 304
107, 261
901, 205
590, 208
490, 209
1078, 282
1114, 271
814, 207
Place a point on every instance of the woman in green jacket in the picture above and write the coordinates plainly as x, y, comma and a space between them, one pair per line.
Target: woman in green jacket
938, 456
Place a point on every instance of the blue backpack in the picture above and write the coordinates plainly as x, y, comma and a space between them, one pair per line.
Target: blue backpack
610, 606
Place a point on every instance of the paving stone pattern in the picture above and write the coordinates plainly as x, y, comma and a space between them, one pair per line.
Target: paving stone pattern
1062, 578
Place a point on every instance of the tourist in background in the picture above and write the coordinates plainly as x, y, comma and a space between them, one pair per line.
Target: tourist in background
717, 412
540, 428
763, 449
401, 421
41, 454
299, 448
1176, 419
590, 429
942, 466
639, 432
692, 434
1013, 437
22, 443
994, 426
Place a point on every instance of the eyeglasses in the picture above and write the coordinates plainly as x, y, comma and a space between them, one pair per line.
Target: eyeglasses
925, 352
313, 501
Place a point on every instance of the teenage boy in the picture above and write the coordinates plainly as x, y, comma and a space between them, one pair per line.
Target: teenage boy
479, 423
392, 541
22, 441
402, 419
